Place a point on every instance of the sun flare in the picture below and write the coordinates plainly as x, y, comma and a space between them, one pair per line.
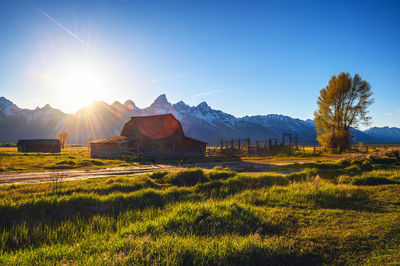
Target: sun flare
80, 82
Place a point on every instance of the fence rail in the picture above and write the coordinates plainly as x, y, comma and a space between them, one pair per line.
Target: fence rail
247, 147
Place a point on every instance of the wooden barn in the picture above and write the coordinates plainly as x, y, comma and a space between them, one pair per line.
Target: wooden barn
156, 136
39, 145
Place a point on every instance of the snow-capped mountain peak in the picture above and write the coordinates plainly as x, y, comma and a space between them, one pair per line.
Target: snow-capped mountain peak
159, 106
130, 105
100, 120
203, 106
8, 108
160, 100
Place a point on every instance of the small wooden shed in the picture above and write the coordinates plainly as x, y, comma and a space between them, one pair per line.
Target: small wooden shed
109, 148
39, 145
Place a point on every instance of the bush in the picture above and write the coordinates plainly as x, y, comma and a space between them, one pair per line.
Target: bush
158, 174
70, 162
220, 173
188, 177
353, 168
304, 175
366, 165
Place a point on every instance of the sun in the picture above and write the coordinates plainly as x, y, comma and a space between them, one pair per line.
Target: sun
80, 82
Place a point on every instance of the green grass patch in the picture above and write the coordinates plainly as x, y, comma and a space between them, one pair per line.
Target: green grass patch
208, 217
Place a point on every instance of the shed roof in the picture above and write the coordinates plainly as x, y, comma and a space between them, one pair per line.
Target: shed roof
195, 140
38, 142
112, 140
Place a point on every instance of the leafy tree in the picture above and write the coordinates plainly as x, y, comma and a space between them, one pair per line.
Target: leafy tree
342, 105
63, 139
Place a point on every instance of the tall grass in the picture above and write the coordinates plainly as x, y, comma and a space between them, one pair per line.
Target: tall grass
196, 216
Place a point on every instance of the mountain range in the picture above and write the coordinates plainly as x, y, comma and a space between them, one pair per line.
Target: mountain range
101, 120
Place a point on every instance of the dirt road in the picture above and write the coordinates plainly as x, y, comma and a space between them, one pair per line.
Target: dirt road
35, 177
66, 175
252, 165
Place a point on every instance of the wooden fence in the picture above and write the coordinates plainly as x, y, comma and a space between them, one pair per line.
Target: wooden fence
248, 147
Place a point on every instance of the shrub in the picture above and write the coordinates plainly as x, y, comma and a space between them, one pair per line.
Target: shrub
366, 165
220, 173
70, 162
158, 174
353, 168
304, 175
187, 177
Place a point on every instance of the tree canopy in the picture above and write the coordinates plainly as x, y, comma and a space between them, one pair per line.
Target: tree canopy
63, 139
342, 105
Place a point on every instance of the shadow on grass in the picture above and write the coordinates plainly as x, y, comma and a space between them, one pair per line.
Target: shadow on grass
68, 204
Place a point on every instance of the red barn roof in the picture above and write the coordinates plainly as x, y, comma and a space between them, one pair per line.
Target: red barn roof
155, 127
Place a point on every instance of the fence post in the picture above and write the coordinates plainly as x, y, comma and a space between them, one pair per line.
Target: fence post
314, 150
239, 144
257, 147
248, 147
222, 144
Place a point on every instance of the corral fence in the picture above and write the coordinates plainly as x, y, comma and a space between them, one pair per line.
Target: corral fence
287, 145
374, 147
248, 147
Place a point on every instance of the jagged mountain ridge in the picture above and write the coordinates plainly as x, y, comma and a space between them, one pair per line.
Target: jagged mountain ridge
390, 134
100, 120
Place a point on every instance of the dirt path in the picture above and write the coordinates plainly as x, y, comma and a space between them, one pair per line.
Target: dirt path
35, 177
253, 165
66, 175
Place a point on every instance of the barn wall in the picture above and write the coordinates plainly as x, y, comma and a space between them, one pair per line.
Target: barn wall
177, 151
105, 150
39, 148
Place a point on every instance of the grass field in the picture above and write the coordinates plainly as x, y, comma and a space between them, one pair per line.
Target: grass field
69, 158
210, 217
74, 158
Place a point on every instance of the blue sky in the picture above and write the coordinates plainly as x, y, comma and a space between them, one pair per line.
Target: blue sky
242, 57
